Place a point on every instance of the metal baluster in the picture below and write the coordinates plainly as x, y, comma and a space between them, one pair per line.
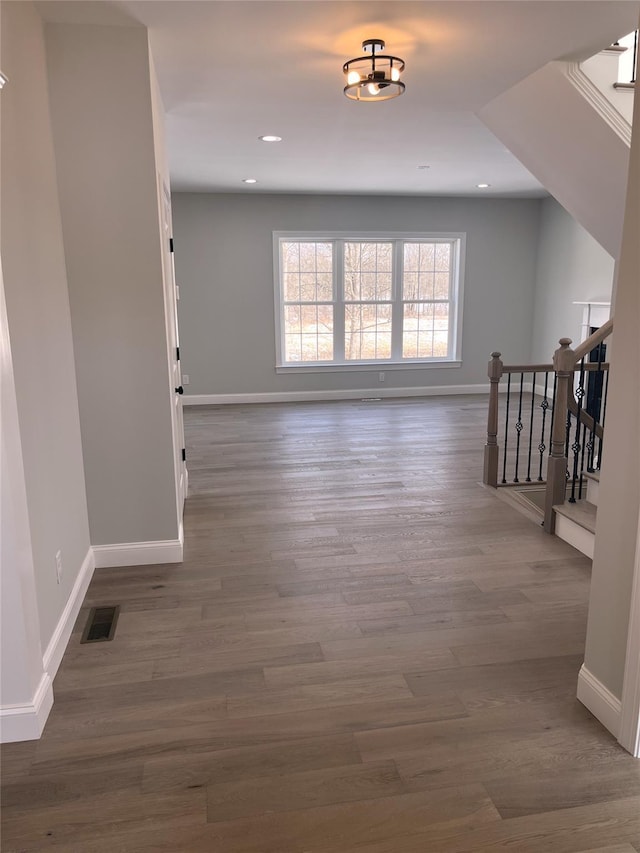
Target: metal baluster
591, 446
544, 405
519, 429
533, 397
604, 415
576, 447
584, 442
506, 430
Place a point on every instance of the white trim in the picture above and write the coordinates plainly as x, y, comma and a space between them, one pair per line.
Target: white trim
342, 394
337, 239
26, 722
598, 100
599, 700
138, 553
371, 367
58, 643
629, 735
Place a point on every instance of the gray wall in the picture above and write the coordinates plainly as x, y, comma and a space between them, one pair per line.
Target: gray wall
103, 134
224, 267
39, 322
572, 266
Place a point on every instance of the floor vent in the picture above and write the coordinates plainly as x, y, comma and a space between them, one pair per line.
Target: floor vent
101, 624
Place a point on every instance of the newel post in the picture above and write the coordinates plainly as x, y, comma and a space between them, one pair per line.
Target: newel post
490, 476
563, 364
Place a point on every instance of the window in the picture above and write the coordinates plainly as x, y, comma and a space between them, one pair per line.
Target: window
349, 301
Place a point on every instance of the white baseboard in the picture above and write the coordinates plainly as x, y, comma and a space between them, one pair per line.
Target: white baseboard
599, 700
342, 394
138, 553
26, 722
58, 642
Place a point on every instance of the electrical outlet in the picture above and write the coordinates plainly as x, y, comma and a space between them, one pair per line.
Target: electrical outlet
381, 377
185, 378
59, 566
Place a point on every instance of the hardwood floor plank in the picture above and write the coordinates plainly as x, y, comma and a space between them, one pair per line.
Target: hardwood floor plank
295, 791
88, 817
515, 796
566, 831
324, 695
184, 771
337, 827
335, 670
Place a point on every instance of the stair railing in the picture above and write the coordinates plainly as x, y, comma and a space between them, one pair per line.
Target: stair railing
566, 363
534, 395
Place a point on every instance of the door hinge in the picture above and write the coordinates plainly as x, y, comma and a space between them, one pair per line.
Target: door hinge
171, 244
184, 454
177, 353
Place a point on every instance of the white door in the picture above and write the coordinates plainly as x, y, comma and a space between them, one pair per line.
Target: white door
171, 311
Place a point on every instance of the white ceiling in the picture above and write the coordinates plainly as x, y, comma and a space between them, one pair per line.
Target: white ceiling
231, 71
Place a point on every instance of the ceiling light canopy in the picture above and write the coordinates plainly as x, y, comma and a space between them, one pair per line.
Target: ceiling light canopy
374, 76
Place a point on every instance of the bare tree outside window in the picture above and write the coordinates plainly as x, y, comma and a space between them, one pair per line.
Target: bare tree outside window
368, 300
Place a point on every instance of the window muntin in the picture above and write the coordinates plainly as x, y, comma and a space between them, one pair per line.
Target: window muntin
347, 300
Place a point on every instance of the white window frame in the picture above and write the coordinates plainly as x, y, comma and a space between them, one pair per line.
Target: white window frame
395, 362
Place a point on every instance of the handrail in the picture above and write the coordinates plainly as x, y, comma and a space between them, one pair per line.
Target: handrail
593, 340
547, 368
526, 368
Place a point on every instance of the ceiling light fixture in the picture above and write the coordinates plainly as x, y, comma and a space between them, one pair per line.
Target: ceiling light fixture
249, 181
3, 80
375, 76
270, 138
483, 186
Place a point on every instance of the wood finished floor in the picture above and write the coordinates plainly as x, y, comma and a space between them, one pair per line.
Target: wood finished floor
363, 652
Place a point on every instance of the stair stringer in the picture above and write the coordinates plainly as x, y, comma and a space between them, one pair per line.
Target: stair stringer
568, 145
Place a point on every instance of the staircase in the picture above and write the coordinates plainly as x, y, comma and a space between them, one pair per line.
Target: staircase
545, 431
578, 116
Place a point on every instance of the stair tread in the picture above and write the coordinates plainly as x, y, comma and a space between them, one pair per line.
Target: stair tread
592, 475
581, 512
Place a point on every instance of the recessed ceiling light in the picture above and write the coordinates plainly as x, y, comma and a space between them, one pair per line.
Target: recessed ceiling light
483, 186
270, 138
249, 181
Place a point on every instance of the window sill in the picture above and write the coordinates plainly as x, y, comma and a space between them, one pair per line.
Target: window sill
371, 367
